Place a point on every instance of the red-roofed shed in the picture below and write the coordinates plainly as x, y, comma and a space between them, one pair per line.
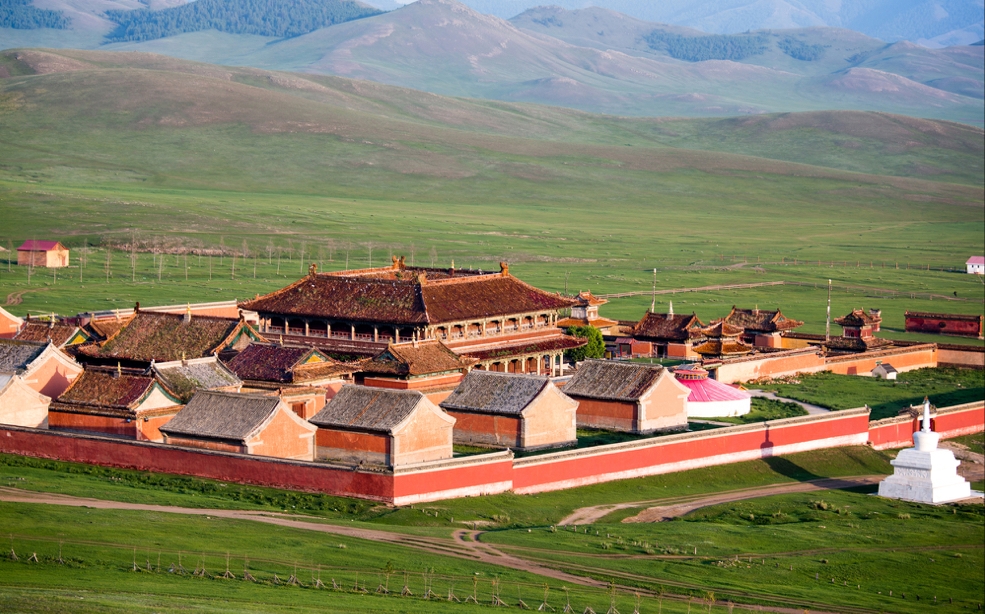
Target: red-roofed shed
51, 254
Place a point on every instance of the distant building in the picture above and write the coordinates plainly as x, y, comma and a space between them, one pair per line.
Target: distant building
857, 332
382, 427
59, 333
521, 412
186, 377
672, 335
944, 323
761, 327
976, 265
722, 341
272, 366
628, 397
115, 402
585, 312
50, 254
428, 366
244, 423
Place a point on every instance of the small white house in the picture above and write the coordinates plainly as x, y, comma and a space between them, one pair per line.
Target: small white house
976, 265
884, 371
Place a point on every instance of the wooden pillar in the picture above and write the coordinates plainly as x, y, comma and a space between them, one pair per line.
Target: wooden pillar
540, 361
287, 326
376, 334
553, 366
328, 329
306, 329
396, 334
352, 332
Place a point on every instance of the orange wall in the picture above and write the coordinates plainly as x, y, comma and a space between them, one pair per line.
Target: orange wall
8, 328
414, 384
349, 446
901, 360
486, 429
205, 445
746, 370
283, 437
549, 421
91, 424
52, 378
427, 437
618, 415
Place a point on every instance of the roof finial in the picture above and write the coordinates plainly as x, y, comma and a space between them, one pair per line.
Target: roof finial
670, 310
119, 369
926, 415
188, 313
313, 269
504, 268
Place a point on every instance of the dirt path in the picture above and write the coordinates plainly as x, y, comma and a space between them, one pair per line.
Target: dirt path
972, 467
588, 515
16, 298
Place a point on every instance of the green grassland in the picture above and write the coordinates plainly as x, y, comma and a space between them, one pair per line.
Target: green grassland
842, 548
194, 157
767, 409
944, 387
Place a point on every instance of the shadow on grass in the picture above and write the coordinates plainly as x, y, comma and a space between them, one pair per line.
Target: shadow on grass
790, 469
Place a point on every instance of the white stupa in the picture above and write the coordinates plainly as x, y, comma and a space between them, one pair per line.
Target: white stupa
925, 473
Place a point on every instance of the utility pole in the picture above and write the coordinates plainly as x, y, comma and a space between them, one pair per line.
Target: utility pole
827, 322
653, 303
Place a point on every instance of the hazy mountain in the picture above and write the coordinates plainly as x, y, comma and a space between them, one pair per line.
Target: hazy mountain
934, 22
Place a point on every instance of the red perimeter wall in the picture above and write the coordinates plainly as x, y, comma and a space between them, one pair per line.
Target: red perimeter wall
499, 471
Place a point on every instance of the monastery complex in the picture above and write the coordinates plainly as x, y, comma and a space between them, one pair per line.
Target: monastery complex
393, 371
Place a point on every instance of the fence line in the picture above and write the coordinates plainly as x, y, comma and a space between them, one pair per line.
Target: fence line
885, 292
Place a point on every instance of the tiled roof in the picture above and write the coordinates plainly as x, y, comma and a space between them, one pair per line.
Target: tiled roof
107, 388
17, 355
489, 392
720, 329
597, 322
667, 327
416, 359
858, 318
406, 296
761, 320
43, 246
185, 378
722, 347
612, 381
943, 316
585, 297
855, 344
59, 334
107, 327
517, 348
269, 362
226, 416
362, 408
166, 337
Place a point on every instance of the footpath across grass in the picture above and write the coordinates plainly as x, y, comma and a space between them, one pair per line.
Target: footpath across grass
944, 386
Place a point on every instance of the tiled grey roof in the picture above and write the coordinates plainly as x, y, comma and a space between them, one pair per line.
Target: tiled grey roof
17, 355
615, 381
489, 392
228, 416
363, 408
185, 379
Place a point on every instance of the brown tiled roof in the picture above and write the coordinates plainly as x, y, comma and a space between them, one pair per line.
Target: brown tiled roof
722, 347
585, 297
612, 381
854, 344
106, 388
761, 320
663, 327
858, 318
720, 329
186, 378
362, 408
226, 416
561, 342
59, 334
416, 359
597, 322
489, 392
17, 355
406, 296
271, 362
106, 328
166, 337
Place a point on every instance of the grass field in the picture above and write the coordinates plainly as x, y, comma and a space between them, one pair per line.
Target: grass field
886, 398
767, 409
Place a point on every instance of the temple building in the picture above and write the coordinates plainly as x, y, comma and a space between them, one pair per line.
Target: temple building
508, 410
722, 341
116, 402
60, 333
504, 323
672, 335
10, 324
244, 423
761, 327
165, 337
428, 366
272, 366
585, 312
630, 397
186, 377
382, 427
857, 332
959, 324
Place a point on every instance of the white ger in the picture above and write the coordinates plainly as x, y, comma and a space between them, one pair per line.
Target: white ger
925, 473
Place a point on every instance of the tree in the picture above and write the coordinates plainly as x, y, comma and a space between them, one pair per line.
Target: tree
595, 348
